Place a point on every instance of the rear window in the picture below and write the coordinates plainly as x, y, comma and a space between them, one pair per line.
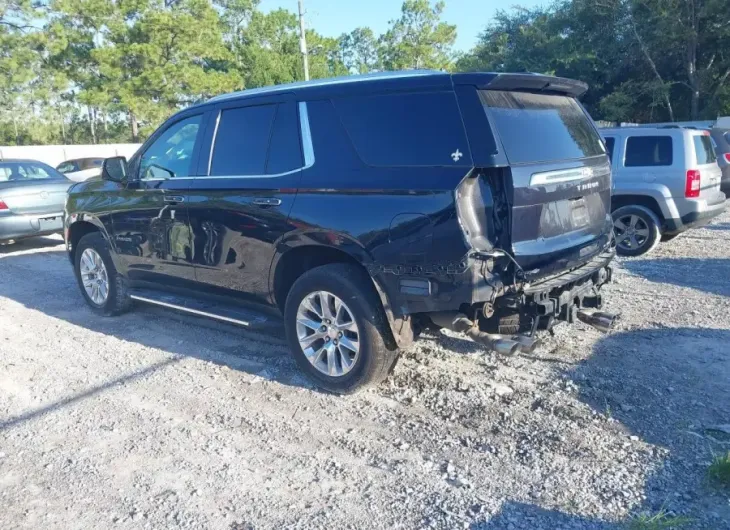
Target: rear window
541, 127
643, 151
413, 129
256, 141
242, 140
25, 171
704, 151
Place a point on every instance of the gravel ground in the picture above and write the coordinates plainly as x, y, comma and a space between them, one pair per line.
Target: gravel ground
156, 420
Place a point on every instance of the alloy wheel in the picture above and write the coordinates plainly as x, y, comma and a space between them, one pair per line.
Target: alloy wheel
327, 333
94, 276
632, 232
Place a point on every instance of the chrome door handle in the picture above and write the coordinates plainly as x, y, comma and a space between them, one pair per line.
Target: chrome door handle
174, 199
267, 201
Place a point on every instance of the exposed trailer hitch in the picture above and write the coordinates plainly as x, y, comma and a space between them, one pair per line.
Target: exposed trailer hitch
502, 344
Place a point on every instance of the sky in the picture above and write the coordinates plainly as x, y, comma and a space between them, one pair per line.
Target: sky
332, 18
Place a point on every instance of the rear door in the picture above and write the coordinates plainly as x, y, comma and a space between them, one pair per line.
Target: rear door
239, 206
649, 158
560, 176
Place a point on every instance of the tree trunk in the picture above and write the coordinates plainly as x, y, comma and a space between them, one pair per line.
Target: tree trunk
63, 127
134, 126
15, 125
92, 127
652, 64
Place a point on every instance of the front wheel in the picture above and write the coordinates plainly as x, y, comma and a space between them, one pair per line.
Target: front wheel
636, 229
103, 288
337, 329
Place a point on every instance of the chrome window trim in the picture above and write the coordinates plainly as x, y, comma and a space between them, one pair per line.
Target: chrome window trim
212, 142
307, 145
307, 151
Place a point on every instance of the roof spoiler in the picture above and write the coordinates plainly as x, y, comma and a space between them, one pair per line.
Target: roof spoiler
527, 82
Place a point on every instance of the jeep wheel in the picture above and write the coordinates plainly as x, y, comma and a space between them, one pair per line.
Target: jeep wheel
636, 230
103, 288
337, 329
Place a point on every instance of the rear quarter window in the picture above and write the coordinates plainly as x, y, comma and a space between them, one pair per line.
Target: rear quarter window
410, 129
704, 150
649, 151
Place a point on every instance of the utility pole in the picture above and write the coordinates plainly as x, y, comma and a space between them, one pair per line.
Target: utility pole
303, 41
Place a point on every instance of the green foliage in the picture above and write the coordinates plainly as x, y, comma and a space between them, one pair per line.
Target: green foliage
360, 51
112, 70
657, 521
418, 39
645, 60
719, 470
87, 71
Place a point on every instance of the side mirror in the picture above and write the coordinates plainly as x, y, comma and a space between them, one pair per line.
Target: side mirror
114, 169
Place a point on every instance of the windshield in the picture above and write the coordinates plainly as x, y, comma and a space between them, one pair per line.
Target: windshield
541, 127
25, 171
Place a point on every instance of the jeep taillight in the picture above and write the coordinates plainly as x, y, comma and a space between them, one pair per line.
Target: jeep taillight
727, 158
3, 206
692, 189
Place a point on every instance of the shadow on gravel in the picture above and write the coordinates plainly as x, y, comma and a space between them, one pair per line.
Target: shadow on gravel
666, 387
663, 387
718, 226
518, 516
126, 379
45, 282
708, 275
29, 244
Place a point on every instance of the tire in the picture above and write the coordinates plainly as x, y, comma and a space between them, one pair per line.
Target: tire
646, 235
117, 300
354, 288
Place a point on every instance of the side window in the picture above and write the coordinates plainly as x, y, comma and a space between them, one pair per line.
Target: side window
704, 149
285, 152
647, 151
414, 129
610, 144
66, 167
242, 141
170, 154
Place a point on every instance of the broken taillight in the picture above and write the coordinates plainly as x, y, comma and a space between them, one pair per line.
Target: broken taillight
692, 189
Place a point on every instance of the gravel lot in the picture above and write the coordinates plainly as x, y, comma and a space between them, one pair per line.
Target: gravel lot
156, 420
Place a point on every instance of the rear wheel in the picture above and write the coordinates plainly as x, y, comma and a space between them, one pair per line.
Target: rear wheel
337, 329
103, 288
636, 230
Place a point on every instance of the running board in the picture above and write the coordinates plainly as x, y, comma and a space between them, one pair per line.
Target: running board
233, 314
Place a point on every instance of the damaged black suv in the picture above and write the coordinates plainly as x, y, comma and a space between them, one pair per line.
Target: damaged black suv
363, 210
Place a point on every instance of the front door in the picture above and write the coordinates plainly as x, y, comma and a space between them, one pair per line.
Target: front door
239, 208
151, 228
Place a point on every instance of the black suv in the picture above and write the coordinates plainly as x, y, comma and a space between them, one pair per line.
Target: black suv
363, 210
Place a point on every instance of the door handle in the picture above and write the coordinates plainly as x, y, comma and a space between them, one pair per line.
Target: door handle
174, 199
267, 201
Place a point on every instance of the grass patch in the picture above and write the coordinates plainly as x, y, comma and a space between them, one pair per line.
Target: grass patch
658, 521
719, 470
